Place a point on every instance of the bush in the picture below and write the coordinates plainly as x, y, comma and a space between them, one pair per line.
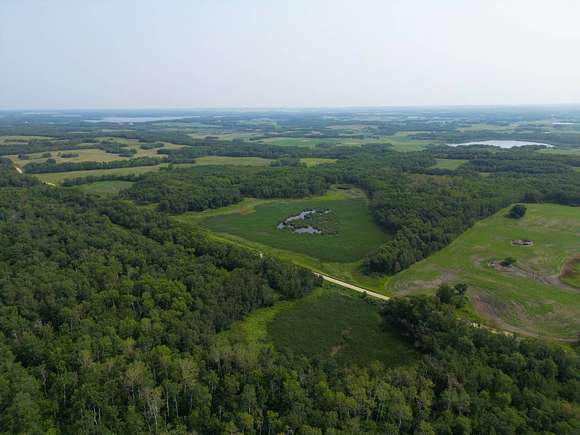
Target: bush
517, 211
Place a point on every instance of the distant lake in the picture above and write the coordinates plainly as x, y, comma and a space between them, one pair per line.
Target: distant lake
136, 119
501, 143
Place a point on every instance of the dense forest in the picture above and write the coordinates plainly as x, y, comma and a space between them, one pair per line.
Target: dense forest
108, 319
201, 188
111, 311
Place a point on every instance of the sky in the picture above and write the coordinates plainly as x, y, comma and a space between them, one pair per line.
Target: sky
87, 54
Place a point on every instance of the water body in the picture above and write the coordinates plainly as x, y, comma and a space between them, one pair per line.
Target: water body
300, 217
137, 119
501, 143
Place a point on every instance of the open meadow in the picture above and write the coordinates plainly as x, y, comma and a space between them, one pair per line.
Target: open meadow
357, 234
528, 297
331, 321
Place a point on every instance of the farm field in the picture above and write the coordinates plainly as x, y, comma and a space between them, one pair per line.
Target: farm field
20, 138
58, 177
528, 297
400, 141
357, 233
448, 163
349, 271
330, 321
92, 154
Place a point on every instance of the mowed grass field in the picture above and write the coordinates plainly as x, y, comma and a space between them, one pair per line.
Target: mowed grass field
357, 232
529, 298
330, 321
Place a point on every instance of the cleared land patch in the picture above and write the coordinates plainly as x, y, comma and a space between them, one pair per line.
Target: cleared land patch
334, 321
313, 161
346, 271
357, 234
448, 163
58, 177
330, 321
528, 299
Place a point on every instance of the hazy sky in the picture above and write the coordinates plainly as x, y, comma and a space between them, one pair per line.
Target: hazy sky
297, 53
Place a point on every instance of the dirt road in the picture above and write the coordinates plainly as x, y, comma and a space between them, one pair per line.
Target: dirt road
352, 287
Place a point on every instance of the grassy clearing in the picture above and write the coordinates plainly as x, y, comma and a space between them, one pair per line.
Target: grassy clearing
333, 321
91, 154
564, 151
221, 135
403, 143
104, 187
58, 177
400, 141
234, 161
347, 271
357, 233
302, 141
313, 161
84, 155
529, 298
330, 321
448, 163
21, 139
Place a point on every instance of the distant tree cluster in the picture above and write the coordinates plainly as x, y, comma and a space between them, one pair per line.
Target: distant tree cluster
196, 189
50, 166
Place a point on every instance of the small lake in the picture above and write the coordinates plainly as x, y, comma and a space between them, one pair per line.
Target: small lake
501, 143
309, 229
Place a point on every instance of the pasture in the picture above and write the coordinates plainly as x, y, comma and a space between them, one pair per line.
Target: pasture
528, 297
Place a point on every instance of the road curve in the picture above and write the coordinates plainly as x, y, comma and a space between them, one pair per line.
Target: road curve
352, 287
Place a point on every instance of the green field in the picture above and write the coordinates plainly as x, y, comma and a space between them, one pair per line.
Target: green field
58, 177
401, 141
357, 233
330, 321
448, 163
313, 161
529, 297
104, 187
348, 271
21, 139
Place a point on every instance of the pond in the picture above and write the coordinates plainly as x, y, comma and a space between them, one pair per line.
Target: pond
501, 143
293, 224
